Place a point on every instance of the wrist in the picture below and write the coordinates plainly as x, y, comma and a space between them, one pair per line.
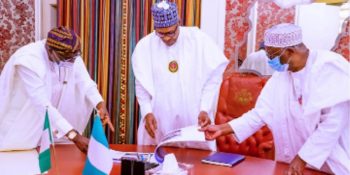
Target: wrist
72, 135
226, 129
203, 113
100, 104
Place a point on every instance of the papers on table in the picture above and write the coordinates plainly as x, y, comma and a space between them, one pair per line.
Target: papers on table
189, 137
19, 162
185, 137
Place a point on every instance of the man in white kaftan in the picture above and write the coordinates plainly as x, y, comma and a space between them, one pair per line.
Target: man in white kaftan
257, 61
47, 75
178, 73
307, 107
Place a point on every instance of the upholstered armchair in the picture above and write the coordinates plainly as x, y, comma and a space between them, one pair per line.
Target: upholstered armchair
342, 43
238, 94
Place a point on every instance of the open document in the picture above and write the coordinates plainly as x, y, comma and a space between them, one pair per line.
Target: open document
189, 137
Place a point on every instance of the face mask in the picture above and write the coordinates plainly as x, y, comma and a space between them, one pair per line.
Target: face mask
276, 64
64, 68
66, 64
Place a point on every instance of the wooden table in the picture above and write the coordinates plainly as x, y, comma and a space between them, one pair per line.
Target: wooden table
71, 161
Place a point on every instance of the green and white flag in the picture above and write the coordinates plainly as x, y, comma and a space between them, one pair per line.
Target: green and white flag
46, 140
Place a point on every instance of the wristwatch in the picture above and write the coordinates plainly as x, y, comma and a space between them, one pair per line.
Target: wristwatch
72, 134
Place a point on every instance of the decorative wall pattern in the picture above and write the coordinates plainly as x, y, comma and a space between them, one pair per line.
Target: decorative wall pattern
269, 14
16, 26
237, 26
342, 44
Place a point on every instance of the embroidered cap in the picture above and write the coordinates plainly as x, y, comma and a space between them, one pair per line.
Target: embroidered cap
283, 35
164, 14
63, 41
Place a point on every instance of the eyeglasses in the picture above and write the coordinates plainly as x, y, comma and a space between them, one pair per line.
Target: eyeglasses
66, 59
271, 56
169, 34
72, 59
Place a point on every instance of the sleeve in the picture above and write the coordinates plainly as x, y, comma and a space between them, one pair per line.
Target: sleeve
246, 125
142, 69
216, 62
246, 63
325, 138
144, 99
37, 92
253, 120
86, 84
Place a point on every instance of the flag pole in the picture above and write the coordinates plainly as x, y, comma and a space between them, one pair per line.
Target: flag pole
95, 114
53, 146
54, 159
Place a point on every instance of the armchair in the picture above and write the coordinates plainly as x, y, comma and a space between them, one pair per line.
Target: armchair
238, 94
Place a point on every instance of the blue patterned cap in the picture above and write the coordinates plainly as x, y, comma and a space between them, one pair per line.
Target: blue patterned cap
164, 14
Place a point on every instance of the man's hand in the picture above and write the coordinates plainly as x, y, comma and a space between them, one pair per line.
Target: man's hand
211, 132
103, 112
203, 119
296, 167
81, 142
151, 124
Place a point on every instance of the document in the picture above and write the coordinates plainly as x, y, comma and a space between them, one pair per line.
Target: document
19, 162
185, 137
188, 137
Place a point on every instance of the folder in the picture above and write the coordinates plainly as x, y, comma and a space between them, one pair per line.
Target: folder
223, 159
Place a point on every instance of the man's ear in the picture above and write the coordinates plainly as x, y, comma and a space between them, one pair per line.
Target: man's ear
290, 51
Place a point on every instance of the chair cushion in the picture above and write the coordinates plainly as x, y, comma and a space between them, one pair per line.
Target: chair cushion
238, 94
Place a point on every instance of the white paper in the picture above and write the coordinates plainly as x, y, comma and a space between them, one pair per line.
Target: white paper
170, 164
117, 155
187, 134
188, 137
19, 162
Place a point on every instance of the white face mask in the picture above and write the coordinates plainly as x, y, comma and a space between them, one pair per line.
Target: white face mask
64, 68
66, 64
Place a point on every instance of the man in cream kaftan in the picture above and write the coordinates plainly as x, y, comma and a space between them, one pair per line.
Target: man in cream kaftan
40, 77
318, 130
178, 73
307, 107
257, 61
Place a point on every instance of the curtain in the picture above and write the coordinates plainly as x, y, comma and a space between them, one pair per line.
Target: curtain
109, 31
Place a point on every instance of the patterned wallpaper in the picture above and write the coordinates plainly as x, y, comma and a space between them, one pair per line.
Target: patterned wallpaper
342, 43
238, 25
16, 26
270, 14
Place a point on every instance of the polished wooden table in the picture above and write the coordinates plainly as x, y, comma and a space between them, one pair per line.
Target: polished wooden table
70, 160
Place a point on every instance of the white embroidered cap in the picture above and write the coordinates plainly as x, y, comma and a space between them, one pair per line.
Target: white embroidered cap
283, 35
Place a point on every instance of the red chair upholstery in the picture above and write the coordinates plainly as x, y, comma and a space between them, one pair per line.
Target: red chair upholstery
342, 44
238, 94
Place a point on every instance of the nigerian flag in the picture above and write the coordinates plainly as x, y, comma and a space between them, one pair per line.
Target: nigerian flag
46, 140
99, 161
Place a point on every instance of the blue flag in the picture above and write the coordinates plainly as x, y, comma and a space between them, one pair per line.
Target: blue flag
99, 160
